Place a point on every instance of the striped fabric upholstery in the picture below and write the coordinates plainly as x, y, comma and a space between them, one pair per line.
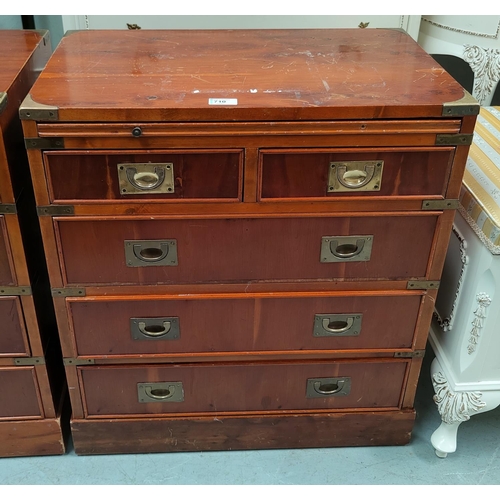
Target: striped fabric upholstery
480, 194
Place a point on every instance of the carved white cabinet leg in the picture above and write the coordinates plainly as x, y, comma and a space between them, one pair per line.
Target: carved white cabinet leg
455, 408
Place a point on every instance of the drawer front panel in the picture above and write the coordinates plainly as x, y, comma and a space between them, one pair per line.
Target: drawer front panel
333, 173
95, 176
106, 327
212, 388
12, 332
6, 271
234, 250
19, 393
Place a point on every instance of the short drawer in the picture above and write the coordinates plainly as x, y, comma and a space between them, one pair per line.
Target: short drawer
13, 341
7, 276
145, 251
324, 174
175, 175
19, 395
213, 388
204, 324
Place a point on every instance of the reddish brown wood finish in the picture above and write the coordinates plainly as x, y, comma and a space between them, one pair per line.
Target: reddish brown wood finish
22, 51
313, 430
458, 172
411, 383
424, 319
13, 341
238, 324
28, 405
249, 278
282, 132
94, 175
19, 396
297, 74
23, 438
74, 391
93, 250
304, 173
7, 274
213, 388
18, 252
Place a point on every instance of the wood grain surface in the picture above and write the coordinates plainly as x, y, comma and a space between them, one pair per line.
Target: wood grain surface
389, 428
238, 324
225, 250
13, 341
26, 438
28, 405
248, 387
200, 174
20, 45
249, 212
305, 173
19, 396
273, 74
7, 274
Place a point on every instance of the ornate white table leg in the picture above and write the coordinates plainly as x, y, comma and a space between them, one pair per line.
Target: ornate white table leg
455, 408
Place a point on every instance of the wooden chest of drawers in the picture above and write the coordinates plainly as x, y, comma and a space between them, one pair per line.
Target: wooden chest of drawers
245, 232
31, 384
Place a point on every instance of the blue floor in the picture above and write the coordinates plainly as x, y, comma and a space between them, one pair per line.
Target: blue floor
476, 461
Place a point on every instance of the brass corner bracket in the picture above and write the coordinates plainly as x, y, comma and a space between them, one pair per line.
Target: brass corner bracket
32, 110
465, 106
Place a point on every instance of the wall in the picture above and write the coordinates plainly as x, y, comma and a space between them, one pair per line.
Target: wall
11, 23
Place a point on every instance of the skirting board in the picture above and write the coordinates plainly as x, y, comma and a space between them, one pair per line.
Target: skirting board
317, 430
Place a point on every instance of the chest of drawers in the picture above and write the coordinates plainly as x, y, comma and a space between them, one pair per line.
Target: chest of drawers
31, 384
245, 232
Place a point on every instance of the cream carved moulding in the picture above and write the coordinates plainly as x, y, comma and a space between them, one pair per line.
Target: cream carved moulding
475, 39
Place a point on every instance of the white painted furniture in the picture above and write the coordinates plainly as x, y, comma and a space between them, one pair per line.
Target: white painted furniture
466, 333
410, 24
475, 39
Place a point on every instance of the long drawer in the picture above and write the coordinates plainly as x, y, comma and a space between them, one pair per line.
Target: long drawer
173, 175
157, 325
19, 395
13, 340
162, 250
7, 275
160, 389
327, 173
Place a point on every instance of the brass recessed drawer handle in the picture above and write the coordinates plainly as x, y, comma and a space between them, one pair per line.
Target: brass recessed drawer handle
328, 387
151, 254
141, 253
346, 248
160, 392
155, 328
356, 178
146, 178
355, 175
337, 325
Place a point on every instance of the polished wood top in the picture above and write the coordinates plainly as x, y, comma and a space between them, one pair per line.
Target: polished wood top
17, 47
151, 75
